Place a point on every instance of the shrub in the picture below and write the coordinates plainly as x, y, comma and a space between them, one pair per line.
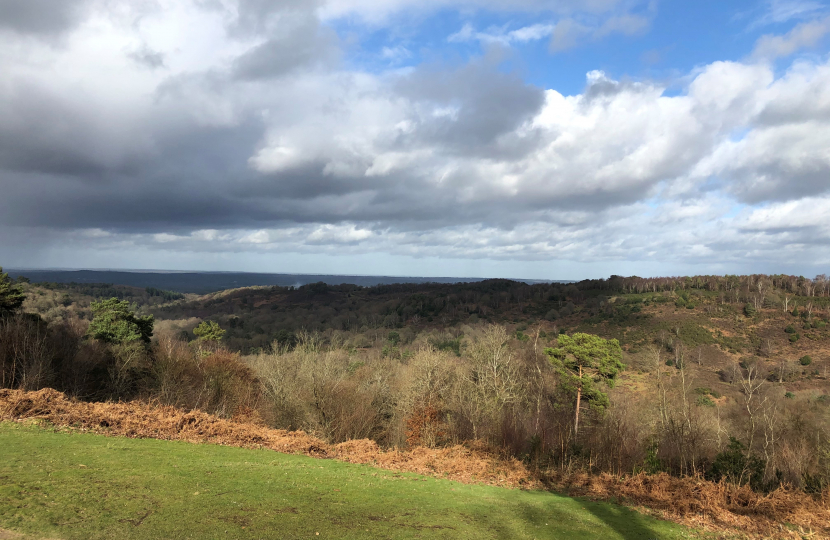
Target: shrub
652, 463
705, 391
794, 337
790, 329
749, 310
736, 467
789, 395
705, 401
805, 360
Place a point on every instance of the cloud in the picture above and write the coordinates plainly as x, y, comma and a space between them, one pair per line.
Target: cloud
41, 17
147, 57
302, 43
802, 36
569, 33
242, 133
380, 11
782, 11
533, 32
395, 54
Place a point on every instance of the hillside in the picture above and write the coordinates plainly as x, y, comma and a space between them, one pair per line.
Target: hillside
72, 485
723, 379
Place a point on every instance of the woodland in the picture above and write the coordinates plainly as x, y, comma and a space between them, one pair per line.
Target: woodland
721, 378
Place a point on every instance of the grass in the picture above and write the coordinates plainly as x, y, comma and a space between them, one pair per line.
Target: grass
59, 484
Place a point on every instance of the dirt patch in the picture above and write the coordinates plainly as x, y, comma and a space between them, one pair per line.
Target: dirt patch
783, 513
10, 535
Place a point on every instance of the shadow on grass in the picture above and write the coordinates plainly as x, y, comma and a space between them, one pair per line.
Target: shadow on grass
628, 523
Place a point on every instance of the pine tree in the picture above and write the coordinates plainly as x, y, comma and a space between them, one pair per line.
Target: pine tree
583, 360
11, 295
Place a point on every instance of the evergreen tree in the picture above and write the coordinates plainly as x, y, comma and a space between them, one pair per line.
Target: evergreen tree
583, 360
209, 331
11, 295
115, 322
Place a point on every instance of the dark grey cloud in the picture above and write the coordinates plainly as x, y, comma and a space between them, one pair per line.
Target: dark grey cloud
301, 44
40, 17
480, 104
41, 133
781, 181
147, 57
260, 16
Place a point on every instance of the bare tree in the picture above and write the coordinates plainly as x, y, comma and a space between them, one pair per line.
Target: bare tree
752, 383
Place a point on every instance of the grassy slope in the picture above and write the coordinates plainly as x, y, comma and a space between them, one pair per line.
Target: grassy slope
74, 485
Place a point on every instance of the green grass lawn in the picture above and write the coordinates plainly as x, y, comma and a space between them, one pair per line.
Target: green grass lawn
73, 485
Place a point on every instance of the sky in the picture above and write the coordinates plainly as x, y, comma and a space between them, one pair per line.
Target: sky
541, 139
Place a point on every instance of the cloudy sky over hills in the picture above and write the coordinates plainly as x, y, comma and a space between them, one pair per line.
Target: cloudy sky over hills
514, 138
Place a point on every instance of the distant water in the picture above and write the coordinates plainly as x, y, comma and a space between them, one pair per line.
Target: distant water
205, 282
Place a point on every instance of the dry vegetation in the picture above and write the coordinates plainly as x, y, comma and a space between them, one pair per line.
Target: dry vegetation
693, 501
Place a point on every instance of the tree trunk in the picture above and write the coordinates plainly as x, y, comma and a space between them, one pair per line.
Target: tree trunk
578, 399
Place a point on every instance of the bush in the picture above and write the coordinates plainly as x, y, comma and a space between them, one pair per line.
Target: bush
749, 310
789, 395
736, 467
790, 329
705, 401
805, 360
794, 337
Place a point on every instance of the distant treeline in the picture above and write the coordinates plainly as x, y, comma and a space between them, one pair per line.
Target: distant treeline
749, 284
109, 290
208, 282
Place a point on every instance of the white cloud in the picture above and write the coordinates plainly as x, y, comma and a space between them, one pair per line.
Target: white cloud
525, 34
782, 11
395, 54
802, 36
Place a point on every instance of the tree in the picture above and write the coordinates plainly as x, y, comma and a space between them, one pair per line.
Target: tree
11, 295
115, 322
583, 360
209, 331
